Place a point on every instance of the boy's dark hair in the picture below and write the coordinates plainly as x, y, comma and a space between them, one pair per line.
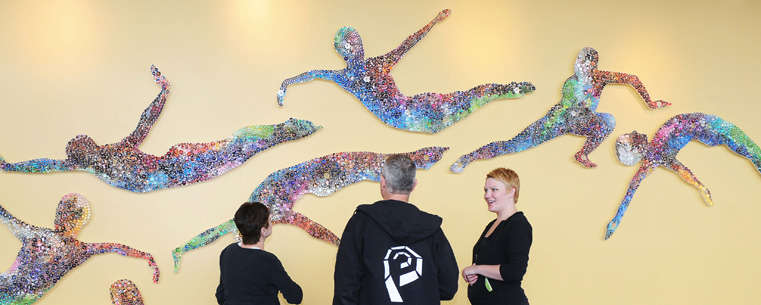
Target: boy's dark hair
250, 218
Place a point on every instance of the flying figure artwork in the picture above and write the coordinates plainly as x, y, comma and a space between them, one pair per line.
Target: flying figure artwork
672, 136
46, 255
576, 113
370, 81
320, 176
125, 166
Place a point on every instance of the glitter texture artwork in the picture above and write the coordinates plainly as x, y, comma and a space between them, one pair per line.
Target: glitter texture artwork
633, 148
574, 114
321, 176
124, 292
370, 81
123, 165
46, 255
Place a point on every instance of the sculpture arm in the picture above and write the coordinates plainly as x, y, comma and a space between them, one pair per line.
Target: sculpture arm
690, 178
150, 114
203, 239
633, 80
127, 251
643, 172
305, 77
43, 165
391, 58
13, 224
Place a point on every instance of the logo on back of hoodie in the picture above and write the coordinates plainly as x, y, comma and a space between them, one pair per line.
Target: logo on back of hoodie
404, 263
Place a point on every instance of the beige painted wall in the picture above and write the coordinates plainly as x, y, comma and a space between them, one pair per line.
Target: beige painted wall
82, 67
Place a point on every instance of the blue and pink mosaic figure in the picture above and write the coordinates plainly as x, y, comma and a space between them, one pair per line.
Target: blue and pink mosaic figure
576, 113
320, 176
370, 81
672, 136
125, 166
46, 255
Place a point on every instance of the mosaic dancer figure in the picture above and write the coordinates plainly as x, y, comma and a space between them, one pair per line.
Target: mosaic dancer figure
320, 176
125, 166
46, 255
672, 136
576, 113
370, 81
124, 292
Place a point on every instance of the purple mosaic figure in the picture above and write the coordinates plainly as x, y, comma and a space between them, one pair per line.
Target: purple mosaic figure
370, 81
576, 113
46, 255
633, 148
320, 176
125, 166
124, 292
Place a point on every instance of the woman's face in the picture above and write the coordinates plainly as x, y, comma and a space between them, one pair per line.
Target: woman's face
496, 195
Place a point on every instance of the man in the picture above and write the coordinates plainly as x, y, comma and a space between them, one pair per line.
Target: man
393, 253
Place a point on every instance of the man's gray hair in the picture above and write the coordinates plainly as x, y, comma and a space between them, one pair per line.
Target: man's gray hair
399, 173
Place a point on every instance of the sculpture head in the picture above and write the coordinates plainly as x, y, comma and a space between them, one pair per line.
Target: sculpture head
586, 62
72, 213
348, 44
124, 292
630, 147
81, 149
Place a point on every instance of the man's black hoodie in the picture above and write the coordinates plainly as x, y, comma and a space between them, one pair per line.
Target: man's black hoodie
393, 253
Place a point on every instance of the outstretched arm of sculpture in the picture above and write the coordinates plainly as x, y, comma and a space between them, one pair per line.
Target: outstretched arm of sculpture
633, 80
304, 77
391, 58
203, 239
12, 223
643, 172
43, 165
690, 178
127, 251
150, 114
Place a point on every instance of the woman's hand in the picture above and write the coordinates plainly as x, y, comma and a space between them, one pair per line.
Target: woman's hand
470, 275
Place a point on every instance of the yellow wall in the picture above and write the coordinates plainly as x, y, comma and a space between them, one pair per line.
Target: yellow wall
82, 67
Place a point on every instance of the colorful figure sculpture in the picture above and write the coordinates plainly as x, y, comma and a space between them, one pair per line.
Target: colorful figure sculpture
632, 148
576, 113
321, 176
124, 292
46, 255
370, 81
125, 166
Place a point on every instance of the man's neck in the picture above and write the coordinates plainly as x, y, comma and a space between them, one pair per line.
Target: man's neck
397, 197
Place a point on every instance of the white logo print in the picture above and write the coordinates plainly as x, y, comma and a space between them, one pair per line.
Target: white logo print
412, 260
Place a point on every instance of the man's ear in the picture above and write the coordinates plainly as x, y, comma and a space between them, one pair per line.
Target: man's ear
414, 184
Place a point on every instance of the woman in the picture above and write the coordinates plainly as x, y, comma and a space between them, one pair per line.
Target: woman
247, 273
500, 256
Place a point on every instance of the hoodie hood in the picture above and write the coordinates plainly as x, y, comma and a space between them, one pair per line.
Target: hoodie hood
404, 222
